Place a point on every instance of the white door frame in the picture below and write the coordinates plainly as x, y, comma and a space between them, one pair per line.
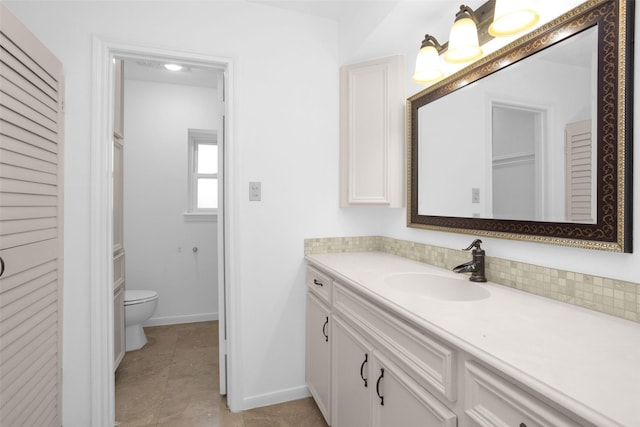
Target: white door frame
101, 257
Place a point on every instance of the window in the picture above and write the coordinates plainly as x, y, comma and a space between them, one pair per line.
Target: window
203, 173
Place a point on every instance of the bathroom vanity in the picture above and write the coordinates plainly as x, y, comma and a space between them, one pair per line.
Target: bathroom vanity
395, 342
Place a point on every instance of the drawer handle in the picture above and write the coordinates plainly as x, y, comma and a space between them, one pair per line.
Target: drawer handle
317, 282
1, 266
364, 362
378, 386
324, 329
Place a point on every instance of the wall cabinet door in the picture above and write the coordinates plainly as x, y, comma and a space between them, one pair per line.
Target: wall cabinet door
372, 108
118, 219
351, 377
318, 355
118, 322
400, 401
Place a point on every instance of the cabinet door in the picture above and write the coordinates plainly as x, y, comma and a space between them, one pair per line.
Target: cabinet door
372, 103
318, 371
400, 401
351, 385
118, 322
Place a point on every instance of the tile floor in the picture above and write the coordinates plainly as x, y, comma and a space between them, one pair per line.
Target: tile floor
173, 381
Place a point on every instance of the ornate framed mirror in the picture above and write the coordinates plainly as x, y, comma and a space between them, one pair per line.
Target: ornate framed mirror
533, 142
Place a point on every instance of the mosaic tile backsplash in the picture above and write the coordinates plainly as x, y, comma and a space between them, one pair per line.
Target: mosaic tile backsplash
615, 297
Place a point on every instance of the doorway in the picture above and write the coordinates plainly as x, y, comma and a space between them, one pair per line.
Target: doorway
102, 388
516, 152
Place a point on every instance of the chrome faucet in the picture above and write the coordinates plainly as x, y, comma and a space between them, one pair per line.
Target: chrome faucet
476, 265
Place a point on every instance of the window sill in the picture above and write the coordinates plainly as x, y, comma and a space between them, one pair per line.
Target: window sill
200, 216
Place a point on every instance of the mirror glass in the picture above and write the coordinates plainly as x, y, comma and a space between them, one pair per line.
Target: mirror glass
532, 142
501, 145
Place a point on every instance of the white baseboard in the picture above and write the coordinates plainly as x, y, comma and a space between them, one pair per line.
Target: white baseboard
175, 320
276, 397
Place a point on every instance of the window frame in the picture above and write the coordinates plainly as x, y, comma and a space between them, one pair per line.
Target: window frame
196, 138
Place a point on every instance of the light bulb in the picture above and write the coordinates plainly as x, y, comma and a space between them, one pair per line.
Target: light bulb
512, 17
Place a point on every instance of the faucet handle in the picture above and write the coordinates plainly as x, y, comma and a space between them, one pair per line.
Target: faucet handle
474, 244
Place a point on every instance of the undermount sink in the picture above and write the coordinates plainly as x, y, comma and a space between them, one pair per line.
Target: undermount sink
437, 287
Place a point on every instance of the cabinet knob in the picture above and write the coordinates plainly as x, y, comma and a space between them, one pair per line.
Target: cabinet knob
523, 425
324, 329
317, 282
378, 387
364, 362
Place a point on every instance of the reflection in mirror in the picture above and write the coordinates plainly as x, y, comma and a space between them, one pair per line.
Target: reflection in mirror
511, 136
532, 142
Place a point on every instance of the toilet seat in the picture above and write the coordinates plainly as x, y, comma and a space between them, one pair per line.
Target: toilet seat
136, 296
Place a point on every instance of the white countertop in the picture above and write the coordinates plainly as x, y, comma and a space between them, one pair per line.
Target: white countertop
586, 361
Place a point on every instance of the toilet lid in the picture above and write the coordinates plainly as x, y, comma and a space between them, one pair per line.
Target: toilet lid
136, 296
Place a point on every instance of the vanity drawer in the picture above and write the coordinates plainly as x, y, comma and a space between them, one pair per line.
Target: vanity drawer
491, 400
319, 283
430, 363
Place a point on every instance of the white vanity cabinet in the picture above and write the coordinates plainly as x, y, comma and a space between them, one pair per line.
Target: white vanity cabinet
318, 342
388, 367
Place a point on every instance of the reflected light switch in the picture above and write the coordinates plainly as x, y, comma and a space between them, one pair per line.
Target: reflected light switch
475, 195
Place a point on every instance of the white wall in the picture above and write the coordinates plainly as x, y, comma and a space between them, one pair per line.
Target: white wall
158, 241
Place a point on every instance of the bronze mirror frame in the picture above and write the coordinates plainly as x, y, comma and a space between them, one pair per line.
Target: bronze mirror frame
612, 230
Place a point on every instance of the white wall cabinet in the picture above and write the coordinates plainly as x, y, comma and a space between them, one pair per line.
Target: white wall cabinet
372, 109
118, 217
386, 372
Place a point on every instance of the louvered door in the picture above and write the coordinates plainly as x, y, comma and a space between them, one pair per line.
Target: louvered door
31, 125
579, 172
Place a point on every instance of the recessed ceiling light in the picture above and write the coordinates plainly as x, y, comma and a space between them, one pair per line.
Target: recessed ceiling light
173, 67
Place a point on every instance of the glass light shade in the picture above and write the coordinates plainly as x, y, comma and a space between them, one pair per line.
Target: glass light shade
463, 42
428, 67
512, 17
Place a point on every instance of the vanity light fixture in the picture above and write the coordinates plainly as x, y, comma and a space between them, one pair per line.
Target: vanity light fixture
472, 29
428, 65
512, 17
173, 67
463, 39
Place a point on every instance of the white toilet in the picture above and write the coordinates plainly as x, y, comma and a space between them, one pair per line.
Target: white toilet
139, 306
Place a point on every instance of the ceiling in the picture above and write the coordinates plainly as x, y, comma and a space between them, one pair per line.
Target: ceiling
341, 11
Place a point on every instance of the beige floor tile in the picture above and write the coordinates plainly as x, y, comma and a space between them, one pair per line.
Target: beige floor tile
174, 382
138, 404
216, 420
193, 405
299, 413
197, 338
138, 371
181, 387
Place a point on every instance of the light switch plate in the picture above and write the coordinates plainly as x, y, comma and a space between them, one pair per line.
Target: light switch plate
475, 195
255, 191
